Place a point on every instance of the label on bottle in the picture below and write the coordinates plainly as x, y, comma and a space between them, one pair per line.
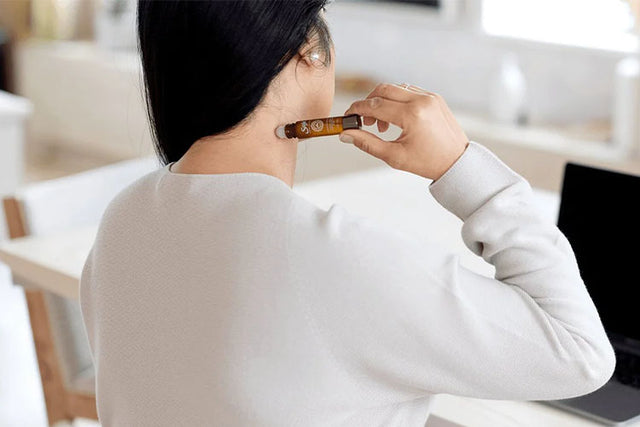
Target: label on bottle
317, 125
304, 128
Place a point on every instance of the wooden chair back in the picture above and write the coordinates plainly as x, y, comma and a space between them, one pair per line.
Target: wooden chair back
62, 348
61, 403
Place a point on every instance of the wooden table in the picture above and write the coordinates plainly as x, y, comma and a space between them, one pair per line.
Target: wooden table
394, 198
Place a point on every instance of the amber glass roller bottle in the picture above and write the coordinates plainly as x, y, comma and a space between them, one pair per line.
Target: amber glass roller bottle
319, 127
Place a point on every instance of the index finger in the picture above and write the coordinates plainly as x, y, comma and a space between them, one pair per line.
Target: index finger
393, 92
380, 109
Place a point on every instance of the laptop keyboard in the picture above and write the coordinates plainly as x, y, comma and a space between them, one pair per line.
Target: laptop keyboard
628, 369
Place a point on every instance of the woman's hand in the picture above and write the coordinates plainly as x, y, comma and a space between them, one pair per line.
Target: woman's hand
431, 139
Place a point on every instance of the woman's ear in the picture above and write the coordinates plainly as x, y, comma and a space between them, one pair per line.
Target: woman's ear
312, 54
312, 58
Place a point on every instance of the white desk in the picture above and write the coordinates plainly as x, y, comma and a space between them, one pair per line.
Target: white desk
395, 198
52, 262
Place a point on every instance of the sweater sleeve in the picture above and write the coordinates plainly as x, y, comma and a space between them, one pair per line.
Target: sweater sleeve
403, 315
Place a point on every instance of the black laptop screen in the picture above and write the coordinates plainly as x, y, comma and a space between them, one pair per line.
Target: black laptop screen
599, 214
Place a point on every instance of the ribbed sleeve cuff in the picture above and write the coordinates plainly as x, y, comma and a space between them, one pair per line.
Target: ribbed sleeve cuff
472, 180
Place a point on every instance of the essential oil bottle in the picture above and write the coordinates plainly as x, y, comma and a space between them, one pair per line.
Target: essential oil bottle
319, 127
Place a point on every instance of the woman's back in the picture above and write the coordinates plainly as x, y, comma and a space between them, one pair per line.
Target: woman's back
193, 314
228, 299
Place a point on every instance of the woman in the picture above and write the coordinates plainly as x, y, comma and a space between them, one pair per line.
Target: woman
215, 295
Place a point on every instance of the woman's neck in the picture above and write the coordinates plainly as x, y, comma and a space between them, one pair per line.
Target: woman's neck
255, 148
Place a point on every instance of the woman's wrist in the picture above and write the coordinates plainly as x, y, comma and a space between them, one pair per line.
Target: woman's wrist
454, 160
475, 177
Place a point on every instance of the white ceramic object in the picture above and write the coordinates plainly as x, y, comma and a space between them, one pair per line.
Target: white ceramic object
626, 106
509, 93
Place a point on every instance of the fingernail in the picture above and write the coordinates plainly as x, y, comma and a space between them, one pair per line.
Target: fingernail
346, 138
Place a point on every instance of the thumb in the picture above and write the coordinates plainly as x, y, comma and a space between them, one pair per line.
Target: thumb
369, 143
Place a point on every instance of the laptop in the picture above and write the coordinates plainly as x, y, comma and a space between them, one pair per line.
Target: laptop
599, 215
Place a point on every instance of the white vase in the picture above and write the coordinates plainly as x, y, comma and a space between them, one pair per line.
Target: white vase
508, 98
626, 106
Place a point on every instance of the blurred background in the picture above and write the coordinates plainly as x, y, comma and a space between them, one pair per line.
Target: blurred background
540, 82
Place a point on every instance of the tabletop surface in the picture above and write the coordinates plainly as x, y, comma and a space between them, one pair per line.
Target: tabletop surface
394, 198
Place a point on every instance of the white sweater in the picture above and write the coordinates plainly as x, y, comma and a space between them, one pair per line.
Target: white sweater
231, 300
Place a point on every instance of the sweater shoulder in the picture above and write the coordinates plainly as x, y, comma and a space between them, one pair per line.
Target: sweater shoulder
130, 198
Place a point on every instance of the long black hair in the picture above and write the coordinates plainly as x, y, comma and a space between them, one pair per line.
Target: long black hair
207, 64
